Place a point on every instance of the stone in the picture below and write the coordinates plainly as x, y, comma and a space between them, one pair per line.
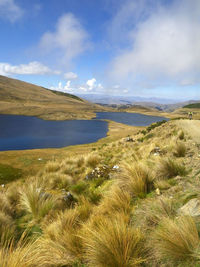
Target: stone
158, 191
191, 208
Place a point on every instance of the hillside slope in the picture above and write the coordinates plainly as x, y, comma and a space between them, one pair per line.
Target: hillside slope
18, 97
127, 204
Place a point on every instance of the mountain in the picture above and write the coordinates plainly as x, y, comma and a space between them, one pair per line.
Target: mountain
165, 107
124, 100
18, 97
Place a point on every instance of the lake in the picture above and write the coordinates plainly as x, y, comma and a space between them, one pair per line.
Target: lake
134, 119
22, 132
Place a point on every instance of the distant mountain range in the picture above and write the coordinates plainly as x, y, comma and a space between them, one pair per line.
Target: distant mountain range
161, 104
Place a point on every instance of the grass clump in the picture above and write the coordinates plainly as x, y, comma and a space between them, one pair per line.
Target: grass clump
113, 242
52, 166
36, 202
177, 240
93, 160
117, 200
169, 168
180, 150
153, 211
137, 179
181, 135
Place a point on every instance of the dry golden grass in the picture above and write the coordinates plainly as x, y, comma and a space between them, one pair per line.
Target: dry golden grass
169, 168
35, 201
162, 184
103, 225
113, 243
137, 179
52, 166
152, 211
93, 160
116, 200
62, 235
180, 149
177, 240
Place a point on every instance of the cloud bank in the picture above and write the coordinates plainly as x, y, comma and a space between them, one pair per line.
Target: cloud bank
32, 68
164, 47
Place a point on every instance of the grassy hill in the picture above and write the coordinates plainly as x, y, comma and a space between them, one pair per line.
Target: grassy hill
195, 105
18, 97
117, 204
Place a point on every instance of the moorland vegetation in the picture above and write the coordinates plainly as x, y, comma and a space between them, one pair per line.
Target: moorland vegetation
119, 205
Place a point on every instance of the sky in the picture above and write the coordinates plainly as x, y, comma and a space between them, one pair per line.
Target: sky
148, 48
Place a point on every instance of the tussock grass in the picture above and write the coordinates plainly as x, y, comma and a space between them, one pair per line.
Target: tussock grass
116, 200
162, 184
52, 166
93, 160
7, 228
35, 201
62, 235
168, 168
113, 243
180, 149
24, 254
177, 240
57, 180
152, 211
5, 206
137, 179
181, 135
12, 194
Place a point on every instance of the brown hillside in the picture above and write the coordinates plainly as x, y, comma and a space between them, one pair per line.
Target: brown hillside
18, 97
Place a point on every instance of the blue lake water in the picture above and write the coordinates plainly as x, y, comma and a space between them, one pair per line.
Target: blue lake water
134, 119
23, 132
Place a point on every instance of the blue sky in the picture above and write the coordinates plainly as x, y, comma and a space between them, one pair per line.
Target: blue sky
147, 48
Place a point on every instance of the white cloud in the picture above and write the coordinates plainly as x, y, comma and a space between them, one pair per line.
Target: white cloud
32, 68
87, 87
70, 76
163, 47
66, 88
10, 10
67, 41
91, 84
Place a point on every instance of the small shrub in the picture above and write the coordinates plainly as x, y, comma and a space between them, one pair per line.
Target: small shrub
154, 125
177, 240
79, 188
148, 136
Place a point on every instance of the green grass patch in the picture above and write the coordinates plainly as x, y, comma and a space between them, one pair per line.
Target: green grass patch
9, 174
195, 105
